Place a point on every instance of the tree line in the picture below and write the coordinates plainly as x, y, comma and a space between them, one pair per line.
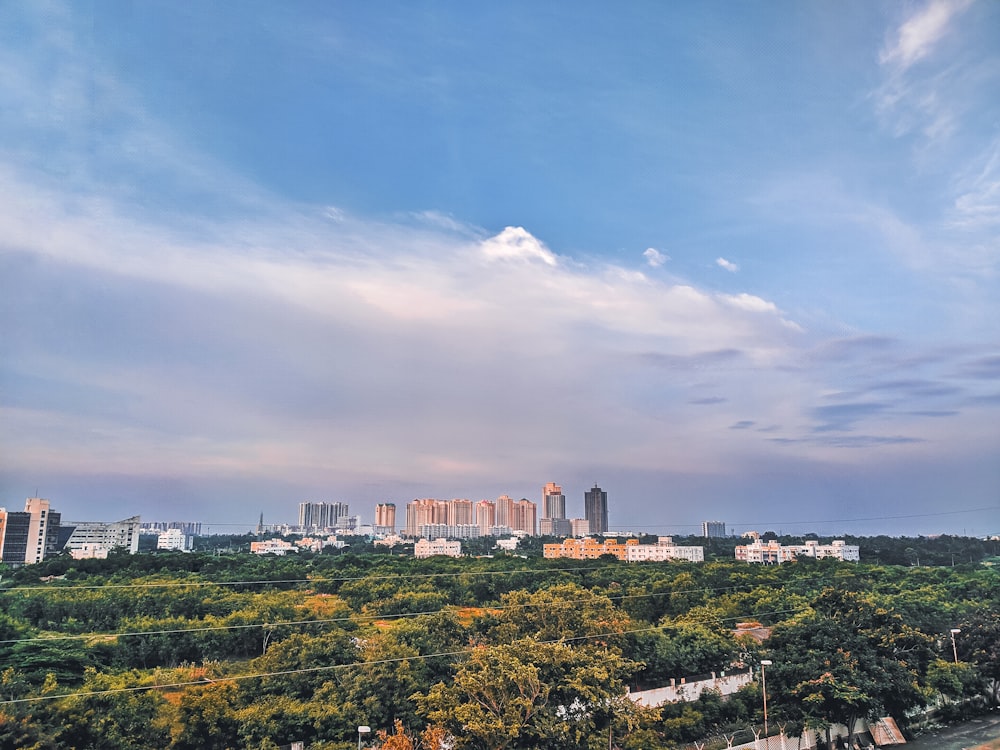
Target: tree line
205, 652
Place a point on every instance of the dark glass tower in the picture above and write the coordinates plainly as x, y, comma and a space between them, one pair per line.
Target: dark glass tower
595, 509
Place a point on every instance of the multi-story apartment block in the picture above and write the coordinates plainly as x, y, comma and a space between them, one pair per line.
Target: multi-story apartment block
587, 548
553, 521
501, 517
385, 518
773, 553
423, 512
460, 512
428, 548
525, 515
450, 531
28, 536
663, 550
98, 538
174, 539
486, 516
316, 516
713, 529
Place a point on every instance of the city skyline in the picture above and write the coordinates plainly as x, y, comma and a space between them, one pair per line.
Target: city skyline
732, 262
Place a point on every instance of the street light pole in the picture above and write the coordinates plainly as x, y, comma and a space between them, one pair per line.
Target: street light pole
954, 648
763, 689
361, 731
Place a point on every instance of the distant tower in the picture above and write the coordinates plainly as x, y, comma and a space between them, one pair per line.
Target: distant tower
595, 509
554, 511
385, 518
713, 529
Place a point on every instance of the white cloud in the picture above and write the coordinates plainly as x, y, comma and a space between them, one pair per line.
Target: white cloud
727, 264
654, 257
916, 37
516, 243
750, 303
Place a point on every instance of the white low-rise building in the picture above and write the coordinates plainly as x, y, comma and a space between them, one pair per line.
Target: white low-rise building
427, 548
663, 550
174, 539
771, 552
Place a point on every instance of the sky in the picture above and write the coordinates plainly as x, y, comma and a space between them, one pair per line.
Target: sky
730, 262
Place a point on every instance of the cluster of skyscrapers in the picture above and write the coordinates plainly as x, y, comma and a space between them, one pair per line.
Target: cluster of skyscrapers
463, 519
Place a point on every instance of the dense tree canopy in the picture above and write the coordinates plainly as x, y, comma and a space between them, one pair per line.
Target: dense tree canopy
206, 651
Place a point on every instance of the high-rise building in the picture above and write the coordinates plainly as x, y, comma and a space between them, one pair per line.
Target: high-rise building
486, 516
553, 501
460, 512
524, 517
505, 511
595, 509
713, 529
553, 521
385, 518
27, 536
315, 516
424, 511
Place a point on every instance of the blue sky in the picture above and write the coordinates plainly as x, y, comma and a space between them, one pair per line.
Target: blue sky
731, 262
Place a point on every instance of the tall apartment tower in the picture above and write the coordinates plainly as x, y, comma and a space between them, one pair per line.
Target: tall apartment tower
524, 515
713, 529
486, 516
595, 509
321, 515
27, 537
385, 518
554, 521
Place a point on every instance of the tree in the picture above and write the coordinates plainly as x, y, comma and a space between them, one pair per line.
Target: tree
492, 700
845, 660
534, 694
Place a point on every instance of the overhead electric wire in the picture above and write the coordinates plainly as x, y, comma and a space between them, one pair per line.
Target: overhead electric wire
342, 579
395, 660
356, 616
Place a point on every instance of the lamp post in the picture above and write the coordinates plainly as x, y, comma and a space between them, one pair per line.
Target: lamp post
763, 688
361, 731
954, 648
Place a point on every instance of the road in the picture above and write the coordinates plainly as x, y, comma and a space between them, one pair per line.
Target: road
965, 736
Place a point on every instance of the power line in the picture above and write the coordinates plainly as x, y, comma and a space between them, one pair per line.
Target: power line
261, 581
396, 660
356, 616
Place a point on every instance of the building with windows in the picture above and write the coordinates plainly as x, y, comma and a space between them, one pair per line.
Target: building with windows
595, 510
713, 529
424, 548
486, 516
29, 536
272, 547
587, 548
663, 550
450, 531
318, 516
773, 553
385, 518
174, 539
553, 521
98, 538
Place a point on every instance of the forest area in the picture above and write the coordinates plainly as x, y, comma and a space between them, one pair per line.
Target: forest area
206, 652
